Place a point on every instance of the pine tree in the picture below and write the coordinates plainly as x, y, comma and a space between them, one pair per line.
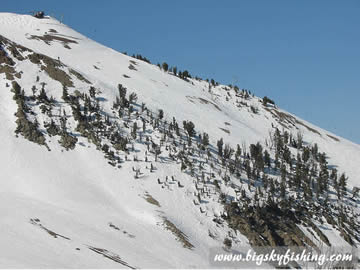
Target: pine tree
300, 140
306, 154
220, 144
186, 74
190, 128
228, 151
92, 92
33, 90
42, 96
143, 125
238, 152
205, 139
134, 131
314, 151
165, 66
65, 94
282, 189
342, 184
183, 166
161, 114
267, 158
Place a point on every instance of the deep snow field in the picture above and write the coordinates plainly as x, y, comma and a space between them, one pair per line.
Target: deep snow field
71, 209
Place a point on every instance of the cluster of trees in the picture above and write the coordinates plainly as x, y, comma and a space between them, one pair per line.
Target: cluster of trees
181, 74
305, 182
289, 180
27, 128
140, 57
267, 100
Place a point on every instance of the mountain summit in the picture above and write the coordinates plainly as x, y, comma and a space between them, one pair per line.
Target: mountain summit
110, 161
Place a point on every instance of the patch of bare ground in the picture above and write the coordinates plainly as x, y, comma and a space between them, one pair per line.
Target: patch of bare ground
113, 226
285, 118
307, 127
111, 256
15, 52
49, 65
14, 49
5, 59
79, 76
133, 62
332, 137
36, 222
52, 68
190, 99
47, 38
180, 236
132, 67
225, 130
6, 62
9, 72
151, 200
203, 101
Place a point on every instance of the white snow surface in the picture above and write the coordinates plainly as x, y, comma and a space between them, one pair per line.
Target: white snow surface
76, 194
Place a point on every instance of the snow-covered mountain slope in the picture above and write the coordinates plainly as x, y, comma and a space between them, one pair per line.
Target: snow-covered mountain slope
106, 69
73, 209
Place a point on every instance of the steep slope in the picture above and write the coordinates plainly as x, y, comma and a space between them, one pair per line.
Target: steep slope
126, 208
154, 87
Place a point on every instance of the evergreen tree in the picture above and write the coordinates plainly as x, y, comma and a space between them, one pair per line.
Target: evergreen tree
287, 155
343, 183
65, 94
238, 152
165, 66
33, 90
161, 114
306, 154
186, 74
282, 189
122, 96
267, 158
92, 92
42, 96
133, 97
228, 151
134, 131
299, 141
314, 151
190, 128
183, 166
220, 144
143, 125
205, 139
257, 156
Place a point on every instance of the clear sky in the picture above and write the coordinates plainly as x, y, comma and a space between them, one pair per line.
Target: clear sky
304, 54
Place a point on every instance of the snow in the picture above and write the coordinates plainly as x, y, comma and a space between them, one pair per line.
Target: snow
77, 194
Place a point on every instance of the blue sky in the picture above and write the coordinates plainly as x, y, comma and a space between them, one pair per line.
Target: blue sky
303, 54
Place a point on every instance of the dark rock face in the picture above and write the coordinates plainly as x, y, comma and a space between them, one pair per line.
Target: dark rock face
267, 226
